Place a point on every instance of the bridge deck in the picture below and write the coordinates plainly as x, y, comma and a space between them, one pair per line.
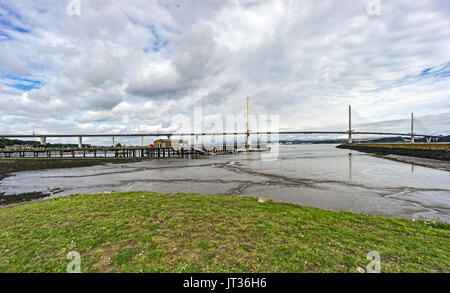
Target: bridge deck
213, 134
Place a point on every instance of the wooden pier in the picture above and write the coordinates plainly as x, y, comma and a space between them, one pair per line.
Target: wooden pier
103, 152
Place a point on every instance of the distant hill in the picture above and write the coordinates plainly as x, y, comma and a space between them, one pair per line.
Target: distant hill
10, 142
441, 139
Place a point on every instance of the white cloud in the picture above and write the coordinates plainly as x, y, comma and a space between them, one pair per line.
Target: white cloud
10, 63
139, 65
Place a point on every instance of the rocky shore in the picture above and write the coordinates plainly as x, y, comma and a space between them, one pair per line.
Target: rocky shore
430, 151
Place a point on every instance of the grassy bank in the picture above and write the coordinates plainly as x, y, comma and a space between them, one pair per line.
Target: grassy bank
154, 232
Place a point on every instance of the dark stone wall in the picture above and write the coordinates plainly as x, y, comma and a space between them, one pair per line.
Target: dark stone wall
421, 153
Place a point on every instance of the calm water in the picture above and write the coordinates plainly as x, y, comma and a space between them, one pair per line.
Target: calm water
312, 175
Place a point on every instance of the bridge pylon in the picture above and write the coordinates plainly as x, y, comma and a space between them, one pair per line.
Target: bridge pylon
350, 138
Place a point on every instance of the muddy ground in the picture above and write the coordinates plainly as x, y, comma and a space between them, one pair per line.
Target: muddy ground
12, 165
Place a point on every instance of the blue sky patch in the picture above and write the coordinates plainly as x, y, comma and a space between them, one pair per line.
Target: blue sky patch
22, 84
4, 36
159, 43
7, 24
428, 73
5, 19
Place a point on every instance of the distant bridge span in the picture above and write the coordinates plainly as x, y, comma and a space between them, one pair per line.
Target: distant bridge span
170, 134
43, 137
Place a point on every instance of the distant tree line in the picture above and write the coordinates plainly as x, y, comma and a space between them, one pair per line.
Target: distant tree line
10, 142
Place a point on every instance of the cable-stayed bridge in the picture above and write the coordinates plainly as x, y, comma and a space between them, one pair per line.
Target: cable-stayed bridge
350, 132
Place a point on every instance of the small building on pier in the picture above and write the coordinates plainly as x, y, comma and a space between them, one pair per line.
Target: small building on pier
171, 143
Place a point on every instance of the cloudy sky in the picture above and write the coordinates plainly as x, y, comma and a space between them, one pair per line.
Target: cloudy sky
142, 66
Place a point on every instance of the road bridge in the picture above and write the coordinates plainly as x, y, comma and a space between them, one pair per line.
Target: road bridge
350, 132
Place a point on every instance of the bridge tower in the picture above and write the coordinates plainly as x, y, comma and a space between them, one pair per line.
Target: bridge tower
412, 127
350, 139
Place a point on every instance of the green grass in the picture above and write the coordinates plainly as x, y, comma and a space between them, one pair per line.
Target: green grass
155, 232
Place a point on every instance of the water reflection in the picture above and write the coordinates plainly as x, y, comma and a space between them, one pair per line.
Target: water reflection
350, 167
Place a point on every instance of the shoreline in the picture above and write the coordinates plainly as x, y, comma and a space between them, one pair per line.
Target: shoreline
9, 166
429, 151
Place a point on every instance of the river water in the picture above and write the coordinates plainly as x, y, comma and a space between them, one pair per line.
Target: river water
312, 175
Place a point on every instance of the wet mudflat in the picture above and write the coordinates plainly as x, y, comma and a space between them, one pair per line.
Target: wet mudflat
312, 175
13, 165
